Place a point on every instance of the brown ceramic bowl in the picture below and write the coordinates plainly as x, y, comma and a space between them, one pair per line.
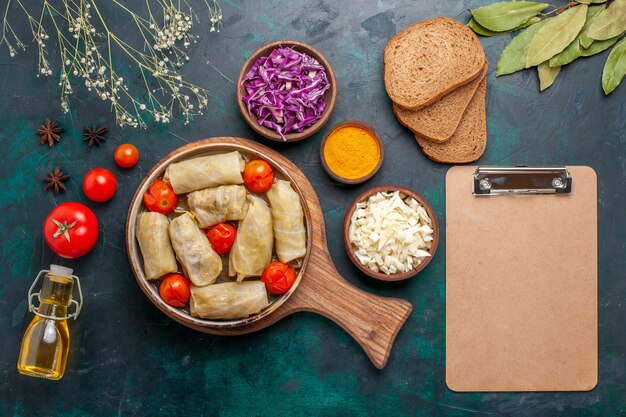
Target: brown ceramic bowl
250, 150
330, 95
352, 181
380, 275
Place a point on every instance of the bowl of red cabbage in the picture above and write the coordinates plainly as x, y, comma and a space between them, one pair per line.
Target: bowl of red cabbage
286, 91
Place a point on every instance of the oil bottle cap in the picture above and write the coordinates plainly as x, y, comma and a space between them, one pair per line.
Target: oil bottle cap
61, 270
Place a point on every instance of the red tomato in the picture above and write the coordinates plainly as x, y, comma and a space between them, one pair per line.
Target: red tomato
71, 230
160, 197
126, 155
278, 277
174, 290
222, 237
258, 176
99, 185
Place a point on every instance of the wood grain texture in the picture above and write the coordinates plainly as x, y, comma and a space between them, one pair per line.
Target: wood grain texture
373, 321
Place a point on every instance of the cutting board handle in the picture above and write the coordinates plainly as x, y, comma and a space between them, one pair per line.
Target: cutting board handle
373, 321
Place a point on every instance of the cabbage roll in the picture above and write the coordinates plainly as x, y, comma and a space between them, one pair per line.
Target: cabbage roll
228, 300
205, 172
288, 219
252, 250
200, 262
154, 242
215, 205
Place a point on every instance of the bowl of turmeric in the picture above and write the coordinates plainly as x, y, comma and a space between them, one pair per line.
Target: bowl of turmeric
352, 152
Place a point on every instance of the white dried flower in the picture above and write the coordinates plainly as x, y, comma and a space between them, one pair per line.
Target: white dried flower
89, 58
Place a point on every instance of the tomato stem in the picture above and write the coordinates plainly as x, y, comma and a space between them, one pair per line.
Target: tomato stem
63, 229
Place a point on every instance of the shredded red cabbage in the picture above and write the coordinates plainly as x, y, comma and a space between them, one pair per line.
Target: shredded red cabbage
285, 91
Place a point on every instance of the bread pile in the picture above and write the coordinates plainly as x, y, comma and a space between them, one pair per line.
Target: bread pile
435, 74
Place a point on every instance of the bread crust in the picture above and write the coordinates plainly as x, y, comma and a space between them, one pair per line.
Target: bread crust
438, 122
465, 70
469, 141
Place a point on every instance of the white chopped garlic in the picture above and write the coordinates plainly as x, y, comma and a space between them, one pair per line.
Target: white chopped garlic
390, 232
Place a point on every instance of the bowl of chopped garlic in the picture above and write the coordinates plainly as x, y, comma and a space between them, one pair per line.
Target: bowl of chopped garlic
390, 233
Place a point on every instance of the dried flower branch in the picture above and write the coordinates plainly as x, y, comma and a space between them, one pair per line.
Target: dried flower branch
87, 43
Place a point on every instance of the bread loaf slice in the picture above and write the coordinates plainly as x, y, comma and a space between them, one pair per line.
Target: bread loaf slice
429, 59
470, 138
438, 122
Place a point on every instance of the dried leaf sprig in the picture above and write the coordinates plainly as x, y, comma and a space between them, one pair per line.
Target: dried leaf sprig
555, 38
87, 42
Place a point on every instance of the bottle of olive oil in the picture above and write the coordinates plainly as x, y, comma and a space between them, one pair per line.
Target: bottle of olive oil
45, 344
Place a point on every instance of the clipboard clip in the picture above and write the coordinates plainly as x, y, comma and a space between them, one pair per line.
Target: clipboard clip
492, 180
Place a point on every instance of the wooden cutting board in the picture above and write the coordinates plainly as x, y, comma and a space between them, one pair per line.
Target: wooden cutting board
373, 321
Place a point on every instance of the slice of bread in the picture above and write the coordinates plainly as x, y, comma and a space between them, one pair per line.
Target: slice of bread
438, 122
430, 59
470, 139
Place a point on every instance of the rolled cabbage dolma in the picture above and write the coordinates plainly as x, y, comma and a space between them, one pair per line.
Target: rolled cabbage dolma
200, 262
252, 250
205, 172
228, 300
154, 241
288, 219
215, 205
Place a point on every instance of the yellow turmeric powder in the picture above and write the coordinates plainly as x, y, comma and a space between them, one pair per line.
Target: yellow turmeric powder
351, 152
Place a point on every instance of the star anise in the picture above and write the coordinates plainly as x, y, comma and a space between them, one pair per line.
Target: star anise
55, 180
49, 132
95, 136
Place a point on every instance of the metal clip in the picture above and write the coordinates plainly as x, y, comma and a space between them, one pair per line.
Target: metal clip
31, 295
521, 180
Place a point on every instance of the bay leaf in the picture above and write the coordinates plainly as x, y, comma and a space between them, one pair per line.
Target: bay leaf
556, 35
583, 36
614, 68
532, 21
506, 15
547, 75
598, 46
567, 55
513, 57
574, 49
610, 22
476, 27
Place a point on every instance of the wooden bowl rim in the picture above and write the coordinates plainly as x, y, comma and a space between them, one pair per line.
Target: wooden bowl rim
330, 95
189, 151
381, 147
379, 275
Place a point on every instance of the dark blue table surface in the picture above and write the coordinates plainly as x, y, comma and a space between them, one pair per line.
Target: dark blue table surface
128, 359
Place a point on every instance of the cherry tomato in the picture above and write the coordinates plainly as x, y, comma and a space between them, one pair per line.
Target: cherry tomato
258, 176
174, 290
126, 155
222, 237
71, 230
99, 185
160, 197
278, 277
